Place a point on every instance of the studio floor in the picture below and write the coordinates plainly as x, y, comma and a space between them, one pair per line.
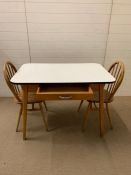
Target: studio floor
65, 150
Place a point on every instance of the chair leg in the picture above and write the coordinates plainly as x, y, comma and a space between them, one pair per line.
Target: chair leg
20, 114
86, 117
45, 105
108, 113
43, 116
33, 106
80, 105
95, 105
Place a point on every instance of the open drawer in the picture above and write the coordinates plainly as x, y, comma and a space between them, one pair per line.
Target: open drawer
64, 91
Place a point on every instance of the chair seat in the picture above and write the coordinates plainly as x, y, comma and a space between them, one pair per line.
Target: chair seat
96, 97
32, 98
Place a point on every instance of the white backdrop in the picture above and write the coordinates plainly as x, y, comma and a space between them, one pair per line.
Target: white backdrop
65, 31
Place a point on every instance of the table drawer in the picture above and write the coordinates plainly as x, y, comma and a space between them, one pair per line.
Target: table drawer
64, 92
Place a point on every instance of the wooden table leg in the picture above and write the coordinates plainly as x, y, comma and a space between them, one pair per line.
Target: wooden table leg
101, 109
24, 112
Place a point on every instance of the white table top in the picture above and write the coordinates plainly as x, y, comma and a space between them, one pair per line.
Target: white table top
62, 73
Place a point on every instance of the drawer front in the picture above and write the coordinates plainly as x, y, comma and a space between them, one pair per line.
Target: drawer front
65, 92
65, 96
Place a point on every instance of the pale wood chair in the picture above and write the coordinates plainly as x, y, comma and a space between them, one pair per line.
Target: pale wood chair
117, 69
9, 71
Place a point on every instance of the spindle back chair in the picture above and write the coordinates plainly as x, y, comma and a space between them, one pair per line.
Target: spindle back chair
117, 70
9, 71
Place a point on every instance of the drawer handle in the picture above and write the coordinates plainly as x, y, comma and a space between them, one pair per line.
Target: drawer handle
65, 97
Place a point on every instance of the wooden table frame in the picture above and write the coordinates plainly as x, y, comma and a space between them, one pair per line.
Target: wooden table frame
101, 109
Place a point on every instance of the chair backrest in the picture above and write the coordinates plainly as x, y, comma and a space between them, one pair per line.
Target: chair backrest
117, 69
9, 71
